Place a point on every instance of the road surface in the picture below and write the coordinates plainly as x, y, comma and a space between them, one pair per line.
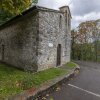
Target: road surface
86, 86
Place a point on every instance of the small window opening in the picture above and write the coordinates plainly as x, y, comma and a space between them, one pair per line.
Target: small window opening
60, 22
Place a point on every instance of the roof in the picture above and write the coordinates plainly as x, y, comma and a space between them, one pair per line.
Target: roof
28, 11
18, 16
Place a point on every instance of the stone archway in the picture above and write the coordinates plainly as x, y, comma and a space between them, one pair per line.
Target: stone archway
58, 55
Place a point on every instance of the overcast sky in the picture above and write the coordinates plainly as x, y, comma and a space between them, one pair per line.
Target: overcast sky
81, 10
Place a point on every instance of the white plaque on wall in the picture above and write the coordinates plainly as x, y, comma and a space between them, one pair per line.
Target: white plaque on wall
50, 44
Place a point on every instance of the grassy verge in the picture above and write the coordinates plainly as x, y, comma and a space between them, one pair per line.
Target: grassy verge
13, 81
70, 65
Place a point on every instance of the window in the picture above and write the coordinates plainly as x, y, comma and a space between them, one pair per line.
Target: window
66, 18
60, 22
68, 21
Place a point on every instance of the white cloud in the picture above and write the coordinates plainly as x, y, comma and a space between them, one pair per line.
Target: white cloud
55, 4
90, 16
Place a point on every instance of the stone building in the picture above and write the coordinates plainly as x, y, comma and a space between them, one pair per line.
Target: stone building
37, 39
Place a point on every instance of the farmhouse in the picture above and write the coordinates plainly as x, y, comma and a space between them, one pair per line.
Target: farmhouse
38, 39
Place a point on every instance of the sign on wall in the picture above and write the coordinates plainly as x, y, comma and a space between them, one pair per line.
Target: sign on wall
50, 44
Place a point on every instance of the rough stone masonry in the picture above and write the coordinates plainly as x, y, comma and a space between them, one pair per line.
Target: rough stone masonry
38, 39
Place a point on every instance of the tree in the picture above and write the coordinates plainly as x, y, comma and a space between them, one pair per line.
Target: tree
4, 16
74, 35
10, 8
96, 38
15, 6
86, 41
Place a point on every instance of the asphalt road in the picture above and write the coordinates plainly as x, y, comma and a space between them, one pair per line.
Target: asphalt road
86, 86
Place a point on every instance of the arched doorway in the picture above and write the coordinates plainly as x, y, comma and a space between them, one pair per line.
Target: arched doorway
59, 55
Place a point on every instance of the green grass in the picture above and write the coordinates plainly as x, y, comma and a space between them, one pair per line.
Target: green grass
70, 65
13, 81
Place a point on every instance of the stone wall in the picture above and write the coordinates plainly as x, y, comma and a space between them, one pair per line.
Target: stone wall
18, 42
30, 41
52, 31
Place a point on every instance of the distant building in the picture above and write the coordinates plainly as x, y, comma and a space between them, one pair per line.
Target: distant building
38, 39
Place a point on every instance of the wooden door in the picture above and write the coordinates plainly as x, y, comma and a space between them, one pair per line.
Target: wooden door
2, 52
59, 55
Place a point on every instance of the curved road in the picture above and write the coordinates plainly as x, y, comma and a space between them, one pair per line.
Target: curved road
86, 86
